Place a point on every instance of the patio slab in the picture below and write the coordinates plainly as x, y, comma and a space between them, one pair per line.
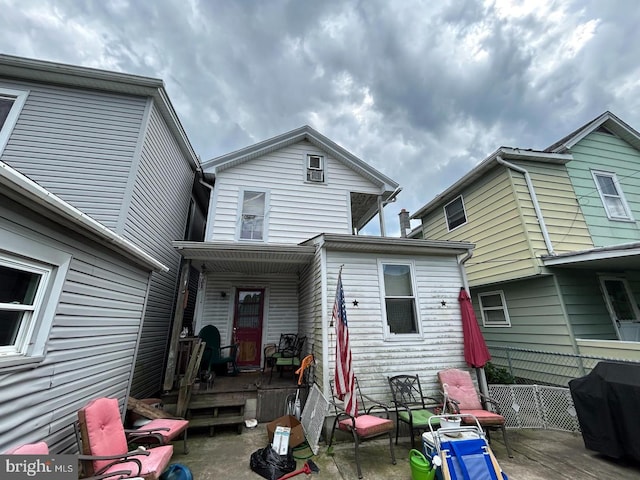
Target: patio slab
538, 454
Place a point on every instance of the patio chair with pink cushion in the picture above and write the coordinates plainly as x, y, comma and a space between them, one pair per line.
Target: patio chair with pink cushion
372, 421
160, 431
41, 448
105, 448
458, 387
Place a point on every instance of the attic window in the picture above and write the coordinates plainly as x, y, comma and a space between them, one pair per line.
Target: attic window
611, 195
11, 103
455, 214
315, 168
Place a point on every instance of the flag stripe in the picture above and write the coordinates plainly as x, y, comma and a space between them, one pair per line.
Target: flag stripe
344, 376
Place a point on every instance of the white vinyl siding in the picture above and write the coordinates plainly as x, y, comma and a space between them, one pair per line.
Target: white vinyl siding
493, 309
78, 144
612, 196
298, 210
437, 279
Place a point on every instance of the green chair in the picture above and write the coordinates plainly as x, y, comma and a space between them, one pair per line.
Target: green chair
412, 407
213, 359
288, 353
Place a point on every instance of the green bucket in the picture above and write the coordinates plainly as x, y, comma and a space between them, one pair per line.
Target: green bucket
420, 466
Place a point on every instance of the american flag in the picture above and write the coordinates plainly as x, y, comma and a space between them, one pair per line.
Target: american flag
344, 378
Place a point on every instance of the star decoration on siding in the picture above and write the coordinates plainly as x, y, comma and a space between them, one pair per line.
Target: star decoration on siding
443, 303
355, 303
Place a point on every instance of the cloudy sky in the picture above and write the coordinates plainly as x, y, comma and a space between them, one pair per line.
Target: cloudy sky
421, 90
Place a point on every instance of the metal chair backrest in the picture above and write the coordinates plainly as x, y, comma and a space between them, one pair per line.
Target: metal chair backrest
287, 344
406, 390
359, 397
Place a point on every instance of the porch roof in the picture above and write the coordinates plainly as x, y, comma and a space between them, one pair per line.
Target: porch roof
246, 258
615, 257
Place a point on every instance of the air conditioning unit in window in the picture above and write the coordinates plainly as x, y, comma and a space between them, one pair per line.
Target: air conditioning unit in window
315, 175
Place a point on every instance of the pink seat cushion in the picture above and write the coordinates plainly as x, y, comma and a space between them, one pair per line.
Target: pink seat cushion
40, 448
484, 417
104, 429
367, 425
176, 427
460, 388
152, 465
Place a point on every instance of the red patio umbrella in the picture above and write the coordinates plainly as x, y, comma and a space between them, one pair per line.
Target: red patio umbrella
476, 353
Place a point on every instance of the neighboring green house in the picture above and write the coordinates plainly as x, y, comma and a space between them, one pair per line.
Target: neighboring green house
557, 260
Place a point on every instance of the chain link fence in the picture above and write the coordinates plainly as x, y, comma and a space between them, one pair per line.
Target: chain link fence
540, 397
544, 368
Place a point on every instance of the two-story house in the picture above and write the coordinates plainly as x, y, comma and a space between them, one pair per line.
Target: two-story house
555, 266
283, 221
108, 147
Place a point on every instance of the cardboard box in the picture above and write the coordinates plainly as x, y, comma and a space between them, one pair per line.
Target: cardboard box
296, 435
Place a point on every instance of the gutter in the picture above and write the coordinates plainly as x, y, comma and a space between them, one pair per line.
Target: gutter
534, 200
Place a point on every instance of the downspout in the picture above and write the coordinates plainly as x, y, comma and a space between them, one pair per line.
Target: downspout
534, 200
482, 377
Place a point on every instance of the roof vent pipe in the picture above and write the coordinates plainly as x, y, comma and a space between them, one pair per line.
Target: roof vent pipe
405, 224
534, 200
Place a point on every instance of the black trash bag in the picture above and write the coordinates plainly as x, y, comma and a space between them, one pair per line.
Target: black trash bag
271, 465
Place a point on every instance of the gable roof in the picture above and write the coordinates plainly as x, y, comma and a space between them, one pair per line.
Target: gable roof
30, 194
92, 78
607, 120
314, 137
483, 167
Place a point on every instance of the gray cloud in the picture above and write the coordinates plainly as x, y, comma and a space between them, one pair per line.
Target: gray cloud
421, 90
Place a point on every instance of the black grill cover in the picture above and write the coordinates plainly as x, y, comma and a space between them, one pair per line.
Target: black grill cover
607, 403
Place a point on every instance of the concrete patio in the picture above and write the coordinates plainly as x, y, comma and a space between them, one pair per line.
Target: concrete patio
538, 454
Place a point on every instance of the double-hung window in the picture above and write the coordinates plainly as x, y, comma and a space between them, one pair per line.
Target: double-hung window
11, 102
400, 308
455, 214
612, 197
22, 289
493, 309
252, 217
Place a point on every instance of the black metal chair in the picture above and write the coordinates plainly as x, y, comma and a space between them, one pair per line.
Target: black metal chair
365, 425
412, 407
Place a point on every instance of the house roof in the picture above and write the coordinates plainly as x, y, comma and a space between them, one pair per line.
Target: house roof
314, 137
95, 79
390, 245
608, 121
27, 192
487, 164
256, 259
615, 257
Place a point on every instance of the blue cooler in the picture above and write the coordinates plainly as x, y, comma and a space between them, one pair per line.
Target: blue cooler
429, 451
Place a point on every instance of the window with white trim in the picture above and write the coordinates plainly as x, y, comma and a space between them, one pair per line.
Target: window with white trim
455, 214
493, 309
11, 103
611, 195
22, 286
252, 217
315, 168
400, 310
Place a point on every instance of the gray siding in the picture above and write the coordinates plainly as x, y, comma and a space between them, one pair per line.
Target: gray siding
78, 144
157, 215
91, 343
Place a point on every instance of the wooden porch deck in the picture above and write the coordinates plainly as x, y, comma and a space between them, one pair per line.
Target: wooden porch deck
229, 400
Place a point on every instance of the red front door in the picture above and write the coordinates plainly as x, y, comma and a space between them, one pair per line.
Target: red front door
247, 325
